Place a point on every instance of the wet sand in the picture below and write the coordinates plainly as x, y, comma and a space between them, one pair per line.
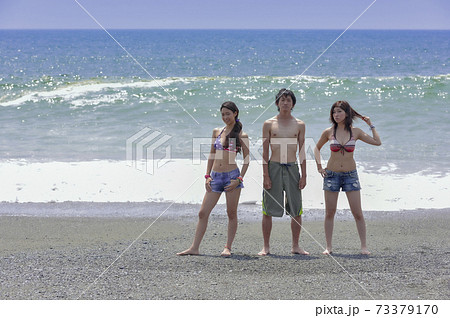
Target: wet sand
63, 257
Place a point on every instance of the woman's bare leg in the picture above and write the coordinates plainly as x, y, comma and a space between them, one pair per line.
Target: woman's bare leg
331, 199
354, 200
209, 202
232, 205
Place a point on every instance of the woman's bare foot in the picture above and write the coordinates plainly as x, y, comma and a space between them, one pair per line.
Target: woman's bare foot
327, 252
299, 250
226, 252
365, 251
189, 251
264, 252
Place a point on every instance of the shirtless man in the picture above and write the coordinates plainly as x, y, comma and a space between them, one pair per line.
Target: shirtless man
283, 134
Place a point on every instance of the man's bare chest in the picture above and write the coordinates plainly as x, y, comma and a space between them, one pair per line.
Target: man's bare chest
279, 131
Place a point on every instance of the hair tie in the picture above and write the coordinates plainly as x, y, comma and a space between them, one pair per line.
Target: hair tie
237, 120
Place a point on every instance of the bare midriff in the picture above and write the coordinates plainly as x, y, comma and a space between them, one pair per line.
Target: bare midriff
341, 162
224, 161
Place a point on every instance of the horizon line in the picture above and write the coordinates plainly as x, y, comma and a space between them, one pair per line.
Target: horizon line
213, 29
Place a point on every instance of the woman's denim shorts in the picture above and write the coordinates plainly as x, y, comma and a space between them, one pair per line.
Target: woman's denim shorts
221, 179
348, 181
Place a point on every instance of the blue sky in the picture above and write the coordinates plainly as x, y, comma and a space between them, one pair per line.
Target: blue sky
225, 14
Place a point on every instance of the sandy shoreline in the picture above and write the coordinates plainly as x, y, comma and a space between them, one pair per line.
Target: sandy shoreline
63, 257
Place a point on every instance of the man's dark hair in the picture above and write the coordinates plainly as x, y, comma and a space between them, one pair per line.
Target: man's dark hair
285, 93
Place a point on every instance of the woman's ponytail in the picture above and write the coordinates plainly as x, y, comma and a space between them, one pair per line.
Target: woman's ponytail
236, 131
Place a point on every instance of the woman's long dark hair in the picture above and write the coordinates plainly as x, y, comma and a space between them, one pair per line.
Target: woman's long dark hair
351, 114
234, 133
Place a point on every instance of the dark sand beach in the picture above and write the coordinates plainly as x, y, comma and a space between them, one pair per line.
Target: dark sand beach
58, 256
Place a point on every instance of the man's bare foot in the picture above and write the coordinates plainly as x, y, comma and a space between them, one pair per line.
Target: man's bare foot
327, 252
264, 252
188, 252
365, 251
299, 250
226, 252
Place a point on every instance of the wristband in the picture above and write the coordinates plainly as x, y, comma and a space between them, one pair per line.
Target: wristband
240, 179
207, 176
372, 126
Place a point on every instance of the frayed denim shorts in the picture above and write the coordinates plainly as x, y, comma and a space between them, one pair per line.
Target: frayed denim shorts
334, 181
221, 179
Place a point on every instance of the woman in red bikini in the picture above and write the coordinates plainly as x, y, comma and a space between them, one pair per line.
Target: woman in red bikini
223, 175
340, 172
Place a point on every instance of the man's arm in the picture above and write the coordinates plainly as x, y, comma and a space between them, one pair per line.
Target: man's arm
302, 154
266, 145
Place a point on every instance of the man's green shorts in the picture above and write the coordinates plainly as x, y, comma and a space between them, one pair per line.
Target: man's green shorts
285, 177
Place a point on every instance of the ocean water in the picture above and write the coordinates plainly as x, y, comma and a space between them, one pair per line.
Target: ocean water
72, 99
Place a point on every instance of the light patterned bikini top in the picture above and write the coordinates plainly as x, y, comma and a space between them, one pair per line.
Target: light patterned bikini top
218, 144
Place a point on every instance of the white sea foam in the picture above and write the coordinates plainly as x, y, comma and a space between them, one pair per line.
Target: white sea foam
74, 91
182, 181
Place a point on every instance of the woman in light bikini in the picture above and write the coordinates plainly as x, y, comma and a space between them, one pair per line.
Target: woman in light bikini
223, 175
341, 167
